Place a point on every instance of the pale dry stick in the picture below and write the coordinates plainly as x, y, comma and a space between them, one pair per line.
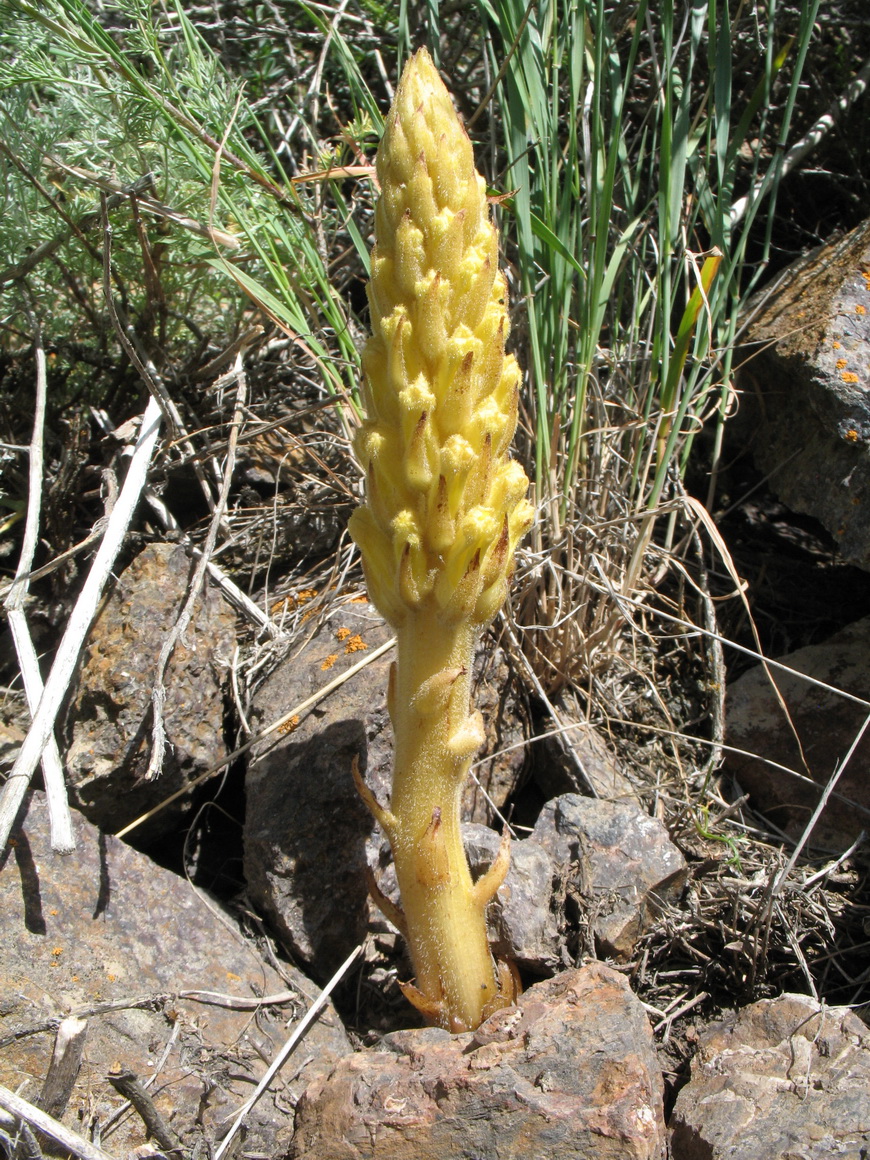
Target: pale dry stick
239, 600
835, 865
66, 657
152, 1002
176, 633
278, 1062
284, 719
61, 558
795, 945
856, 88
62, 837
239, 1002
668, 1017
32, 1115
66, 1060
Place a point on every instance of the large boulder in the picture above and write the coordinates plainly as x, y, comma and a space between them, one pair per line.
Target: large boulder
784, 1077
171, 990
810, 740
570, 1072
109, 718
805, 386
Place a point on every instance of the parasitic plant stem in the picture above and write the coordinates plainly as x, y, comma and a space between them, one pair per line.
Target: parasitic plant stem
445, 506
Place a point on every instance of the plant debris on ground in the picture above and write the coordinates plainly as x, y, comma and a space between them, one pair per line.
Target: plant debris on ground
187, 208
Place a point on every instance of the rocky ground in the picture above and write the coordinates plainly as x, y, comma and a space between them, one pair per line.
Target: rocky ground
691, 933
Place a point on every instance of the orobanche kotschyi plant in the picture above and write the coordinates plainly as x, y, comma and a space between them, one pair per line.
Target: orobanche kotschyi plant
444, 509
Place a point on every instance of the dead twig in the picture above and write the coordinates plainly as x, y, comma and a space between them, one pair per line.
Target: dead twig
66, 1060
127, 1084
153, 1002
158, 692
278, 1062
62, 838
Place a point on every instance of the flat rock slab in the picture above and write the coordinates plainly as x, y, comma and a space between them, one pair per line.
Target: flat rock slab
619, 860
827, 726
109, 719
105, 931
783, 1079
805, 409
570, 1073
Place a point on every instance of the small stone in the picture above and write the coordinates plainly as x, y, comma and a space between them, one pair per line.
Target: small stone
619, 859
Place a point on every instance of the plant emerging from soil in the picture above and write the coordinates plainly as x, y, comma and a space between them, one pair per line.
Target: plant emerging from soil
445, 508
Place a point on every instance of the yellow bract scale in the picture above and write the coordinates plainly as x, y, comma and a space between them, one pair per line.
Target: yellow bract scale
416, 398
480, 527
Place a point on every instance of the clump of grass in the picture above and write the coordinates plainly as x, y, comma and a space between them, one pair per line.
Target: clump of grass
135, 103
625, 135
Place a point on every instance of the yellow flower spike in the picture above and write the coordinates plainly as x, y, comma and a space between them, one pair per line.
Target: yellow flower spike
444, 509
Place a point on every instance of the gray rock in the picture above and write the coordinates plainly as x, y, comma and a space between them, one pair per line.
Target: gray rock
783, 1079
579, 759
805, 389
306, 828
570, 1072
619, 859
109, 719
826, 724
308, 836
106, 932
522, 925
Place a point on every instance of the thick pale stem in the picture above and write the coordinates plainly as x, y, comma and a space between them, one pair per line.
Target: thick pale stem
435, 740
